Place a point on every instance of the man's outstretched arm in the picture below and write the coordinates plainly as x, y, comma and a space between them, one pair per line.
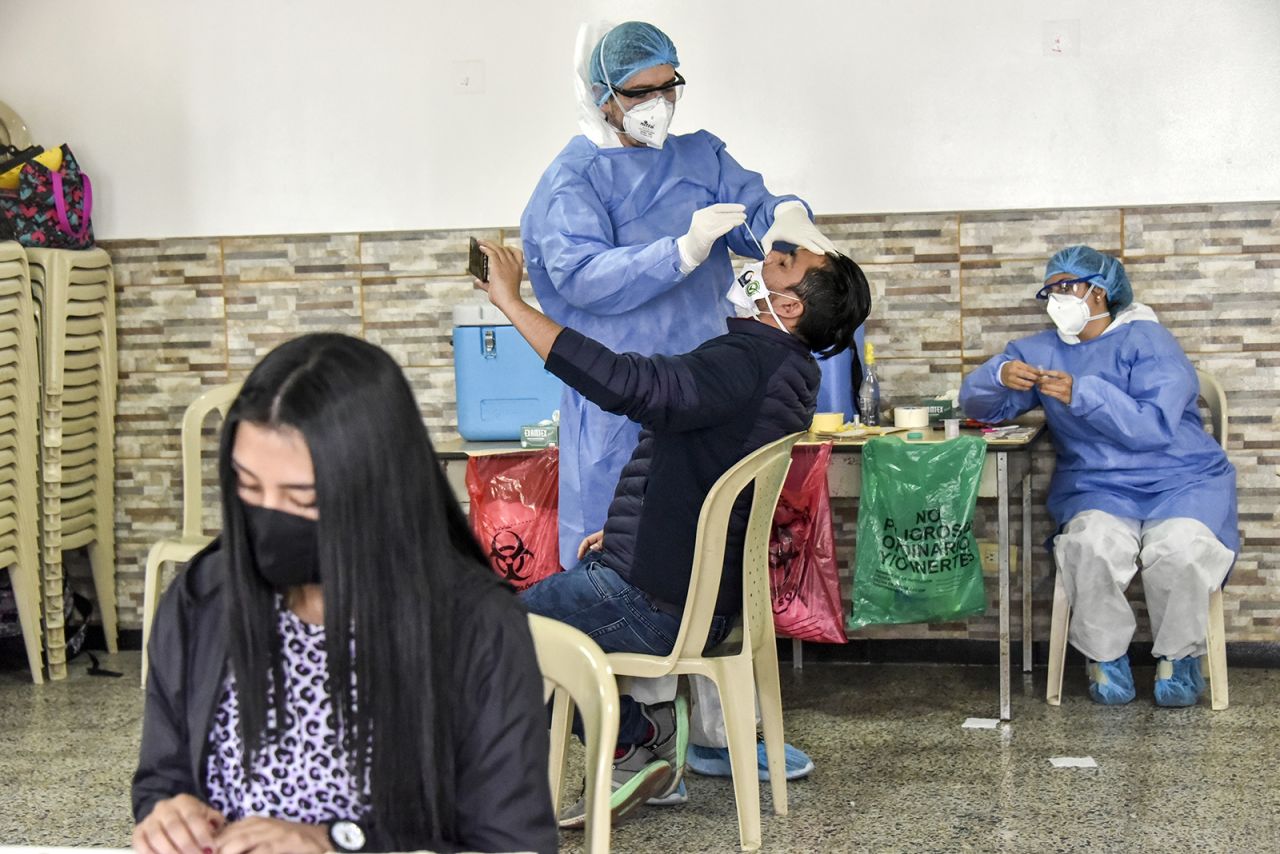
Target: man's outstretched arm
673, 392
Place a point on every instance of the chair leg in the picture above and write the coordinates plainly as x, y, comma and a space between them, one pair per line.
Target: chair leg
1217, 643
769, 693
1057, 641
150, 599
737, 700
102, 559
26, 594
561, 728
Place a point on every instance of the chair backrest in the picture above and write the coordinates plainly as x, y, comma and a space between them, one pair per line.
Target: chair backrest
766, 469
572, 662
219, 398
1216, 399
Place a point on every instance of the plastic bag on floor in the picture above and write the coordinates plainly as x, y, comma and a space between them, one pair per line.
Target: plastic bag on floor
803, 576
917, 559
514, 513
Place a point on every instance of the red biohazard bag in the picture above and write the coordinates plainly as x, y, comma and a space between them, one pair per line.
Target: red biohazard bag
514, 512
802, 552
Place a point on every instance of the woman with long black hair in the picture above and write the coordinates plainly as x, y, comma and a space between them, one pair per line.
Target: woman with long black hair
339, 670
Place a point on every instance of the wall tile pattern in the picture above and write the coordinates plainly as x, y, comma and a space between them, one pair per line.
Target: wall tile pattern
951, 290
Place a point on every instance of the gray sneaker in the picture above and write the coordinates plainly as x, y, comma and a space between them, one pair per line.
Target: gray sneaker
670, 742
637, 776
674, 799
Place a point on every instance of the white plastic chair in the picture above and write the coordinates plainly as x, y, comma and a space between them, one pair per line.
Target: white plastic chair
19, 439
745, 665
1216, 400
576, 672
193, 538
74, 305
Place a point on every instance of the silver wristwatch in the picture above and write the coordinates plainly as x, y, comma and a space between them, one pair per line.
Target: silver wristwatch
346, 836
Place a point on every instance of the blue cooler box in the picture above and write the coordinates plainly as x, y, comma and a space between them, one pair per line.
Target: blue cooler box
500, 382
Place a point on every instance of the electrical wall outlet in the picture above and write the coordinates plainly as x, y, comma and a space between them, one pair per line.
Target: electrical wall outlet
989, 554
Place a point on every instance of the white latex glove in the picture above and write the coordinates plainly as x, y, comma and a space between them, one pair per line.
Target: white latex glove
707, 226
791, 224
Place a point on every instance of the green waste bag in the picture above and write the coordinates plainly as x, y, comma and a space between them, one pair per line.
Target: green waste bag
917, 558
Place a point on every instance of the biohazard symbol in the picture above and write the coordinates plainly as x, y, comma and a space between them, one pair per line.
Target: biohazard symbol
509, 555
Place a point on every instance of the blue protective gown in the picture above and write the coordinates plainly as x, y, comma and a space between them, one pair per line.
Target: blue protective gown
1131, 443
836, 394
599, 239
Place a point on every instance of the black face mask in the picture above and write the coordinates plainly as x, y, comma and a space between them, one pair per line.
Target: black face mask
285, 546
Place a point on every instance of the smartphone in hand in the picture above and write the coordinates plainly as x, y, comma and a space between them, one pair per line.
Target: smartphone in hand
478, 262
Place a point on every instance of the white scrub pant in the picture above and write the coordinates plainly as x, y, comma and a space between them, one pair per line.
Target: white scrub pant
1182, 564
706, 718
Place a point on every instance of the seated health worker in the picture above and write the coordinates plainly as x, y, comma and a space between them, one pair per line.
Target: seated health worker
700, 413
339, 670
1138, 483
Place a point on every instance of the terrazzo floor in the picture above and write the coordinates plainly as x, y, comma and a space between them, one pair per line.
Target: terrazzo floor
896, 772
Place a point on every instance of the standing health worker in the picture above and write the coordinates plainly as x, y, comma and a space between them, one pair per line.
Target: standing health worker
627, 239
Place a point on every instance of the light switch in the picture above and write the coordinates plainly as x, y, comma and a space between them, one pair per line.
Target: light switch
1061, 38
468, 77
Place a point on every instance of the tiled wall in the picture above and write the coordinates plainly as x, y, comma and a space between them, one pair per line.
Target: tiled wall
950, 290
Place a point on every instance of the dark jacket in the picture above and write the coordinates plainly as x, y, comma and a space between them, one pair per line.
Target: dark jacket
702, 412
501, 790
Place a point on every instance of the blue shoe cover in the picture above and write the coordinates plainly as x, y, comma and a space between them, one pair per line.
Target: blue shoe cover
1178, 682
714, 762
1111, 682
708, 761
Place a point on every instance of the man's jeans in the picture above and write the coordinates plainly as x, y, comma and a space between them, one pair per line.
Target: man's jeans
598, 602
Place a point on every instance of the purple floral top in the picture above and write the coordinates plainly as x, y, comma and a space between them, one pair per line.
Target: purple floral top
302, 774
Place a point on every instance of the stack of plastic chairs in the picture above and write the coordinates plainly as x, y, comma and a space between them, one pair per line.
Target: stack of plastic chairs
75, 305
19, 390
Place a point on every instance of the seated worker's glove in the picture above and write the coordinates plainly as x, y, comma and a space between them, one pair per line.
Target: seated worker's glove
791, 224
707, 226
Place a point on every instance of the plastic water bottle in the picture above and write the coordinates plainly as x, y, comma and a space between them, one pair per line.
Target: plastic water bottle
869, 394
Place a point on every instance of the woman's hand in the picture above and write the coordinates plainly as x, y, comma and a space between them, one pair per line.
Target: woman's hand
791, 224
1056, 384
593, 543
273, 836
1019, 376
506, 269
178, 825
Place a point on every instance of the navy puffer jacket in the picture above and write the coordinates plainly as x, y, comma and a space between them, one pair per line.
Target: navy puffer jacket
702, 412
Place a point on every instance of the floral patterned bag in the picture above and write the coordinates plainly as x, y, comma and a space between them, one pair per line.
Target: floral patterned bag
51, 208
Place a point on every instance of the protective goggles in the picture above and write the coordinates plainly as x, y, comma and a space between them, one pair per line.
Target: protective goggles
1065, 286
671, 90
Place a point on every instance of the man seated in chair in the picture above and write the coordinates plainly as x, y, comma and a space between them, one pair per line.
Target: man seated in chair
1138, 481
701, 412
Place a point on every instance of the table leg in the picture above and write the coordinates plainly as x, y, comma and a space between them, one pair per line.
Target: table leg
797, 654
1002, 502
1027, 619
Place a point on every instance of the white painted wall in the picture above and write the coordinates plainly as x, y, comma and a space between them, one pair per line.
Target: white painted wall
283, 116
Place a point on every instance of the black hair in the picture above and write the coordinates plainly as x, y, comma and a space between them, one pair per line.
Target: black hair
837, 299
393, 549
